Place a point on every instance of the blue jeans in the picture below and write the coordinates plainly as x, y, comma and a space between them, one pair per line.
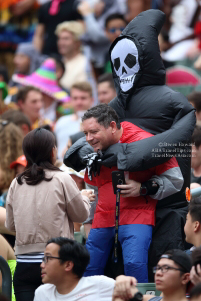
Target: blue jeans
135, 240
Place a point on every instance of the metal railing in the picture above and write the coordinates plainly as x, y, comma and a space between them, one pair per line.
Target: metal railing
6, 279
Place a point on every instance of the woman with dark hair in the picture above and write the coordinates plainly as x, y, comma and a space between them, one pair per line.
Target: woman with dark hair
42, 202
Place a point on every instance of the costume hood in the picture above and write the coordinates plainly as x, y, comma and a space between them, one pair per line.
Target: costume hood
135, 54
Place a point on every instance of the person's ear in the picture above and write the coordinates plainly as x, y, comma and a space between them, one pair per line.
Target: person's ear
69, 266
196, 226
113, 125
25, 129
185, 278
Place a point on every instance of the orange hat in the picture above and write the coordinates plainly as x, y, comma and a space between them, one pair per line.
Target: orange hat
21, 160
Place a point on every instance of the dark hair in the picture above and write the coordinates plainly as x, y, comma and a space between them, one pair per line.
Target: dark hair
104, 115
195, 98
196, 258
37, 147
114, 17
196, 291
58, 61
107, 77
17, 117
195, 209
196, 137
23, 91
71, 250
4, 73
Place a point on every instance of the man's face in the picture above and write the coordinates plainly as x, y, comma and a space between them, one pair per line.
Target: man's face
52, 271
114, 29
96, 134
81, 100
32, 105
22, 63
105, 92
170, 280
66, 43
196, 156
189, 228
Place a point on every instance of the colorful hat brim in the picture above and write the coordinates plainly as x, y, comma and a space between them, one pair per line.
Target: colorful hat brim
58, 95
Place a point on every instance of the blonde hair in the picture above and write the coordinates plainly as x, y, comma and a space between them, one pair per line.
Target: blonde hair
82, 86
76, 28
11, 139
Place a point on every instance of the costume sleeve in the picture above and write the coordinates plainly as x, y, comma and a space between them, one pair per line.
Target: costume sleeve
169, 178
9, 224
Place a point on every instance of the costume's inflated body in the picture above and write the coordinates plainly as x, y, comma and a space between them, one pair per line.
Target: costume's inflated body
145, 100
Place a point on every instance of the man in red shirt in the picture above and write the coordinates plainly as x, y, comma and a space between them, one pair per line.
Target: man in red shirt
138, 200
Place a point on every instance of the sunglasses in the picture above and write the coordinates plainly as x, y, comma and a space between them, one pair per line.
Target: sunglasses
114, 29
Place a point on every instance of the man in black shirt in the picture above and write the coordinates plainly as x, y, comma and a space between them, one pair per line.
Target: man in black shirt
49, 16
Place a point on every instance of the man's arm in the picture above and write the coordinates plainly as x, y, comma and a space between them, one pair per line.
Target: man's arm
38, 39
125, 289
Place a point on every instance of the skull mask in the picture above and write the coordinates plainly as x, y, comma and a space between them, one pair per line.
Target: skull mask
124, 57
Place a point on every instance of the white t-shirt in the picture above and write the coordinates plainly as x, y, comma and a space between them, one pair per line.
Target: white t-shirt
99, 288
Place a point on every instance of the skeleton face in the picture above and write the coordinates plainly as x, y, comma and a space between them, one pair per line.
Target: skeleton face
125, 61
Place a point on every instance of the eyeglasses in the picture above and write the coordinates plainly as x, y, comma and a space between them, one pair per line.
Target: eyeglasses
165, 269
46, 258
114, 29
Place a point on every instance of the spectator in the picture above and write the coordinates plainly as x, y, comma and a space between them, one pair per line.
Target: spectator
3, 74
62, 272
106, 88
77, 67
8, 254
19, 165
82, 100
49, 16
192, 227
195, 293
139, 196
44, 78
196, 156
10, 149
195, 99
29, 100
48, 201
172, 276
19, 119
114, 25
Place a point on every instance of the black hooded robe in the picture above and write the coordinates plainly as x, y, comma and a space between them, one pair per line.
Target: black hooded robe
145, 100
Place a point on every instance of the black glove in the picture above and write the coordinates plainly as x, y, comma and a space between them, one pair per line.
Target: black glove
93, 162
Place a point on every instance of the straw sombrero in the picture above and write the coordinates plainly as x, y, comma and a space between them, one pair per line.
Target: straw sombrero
44, 78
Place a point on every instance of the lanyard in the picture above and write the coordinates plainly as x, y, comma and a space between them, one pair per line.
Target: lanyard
116, 225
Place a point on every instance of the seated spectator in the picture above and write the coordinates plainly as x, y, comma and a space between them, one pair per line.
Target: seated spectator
192, 227
44, 79
81, 100
106, 88
45, 201
19, 119
195, 99
195, 293
10, 149
62, 272
196, 157
172, 276
77, 66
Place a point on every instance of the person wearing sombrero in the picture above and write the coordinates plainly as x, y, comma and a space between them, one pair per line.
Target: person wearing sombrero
44, 78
